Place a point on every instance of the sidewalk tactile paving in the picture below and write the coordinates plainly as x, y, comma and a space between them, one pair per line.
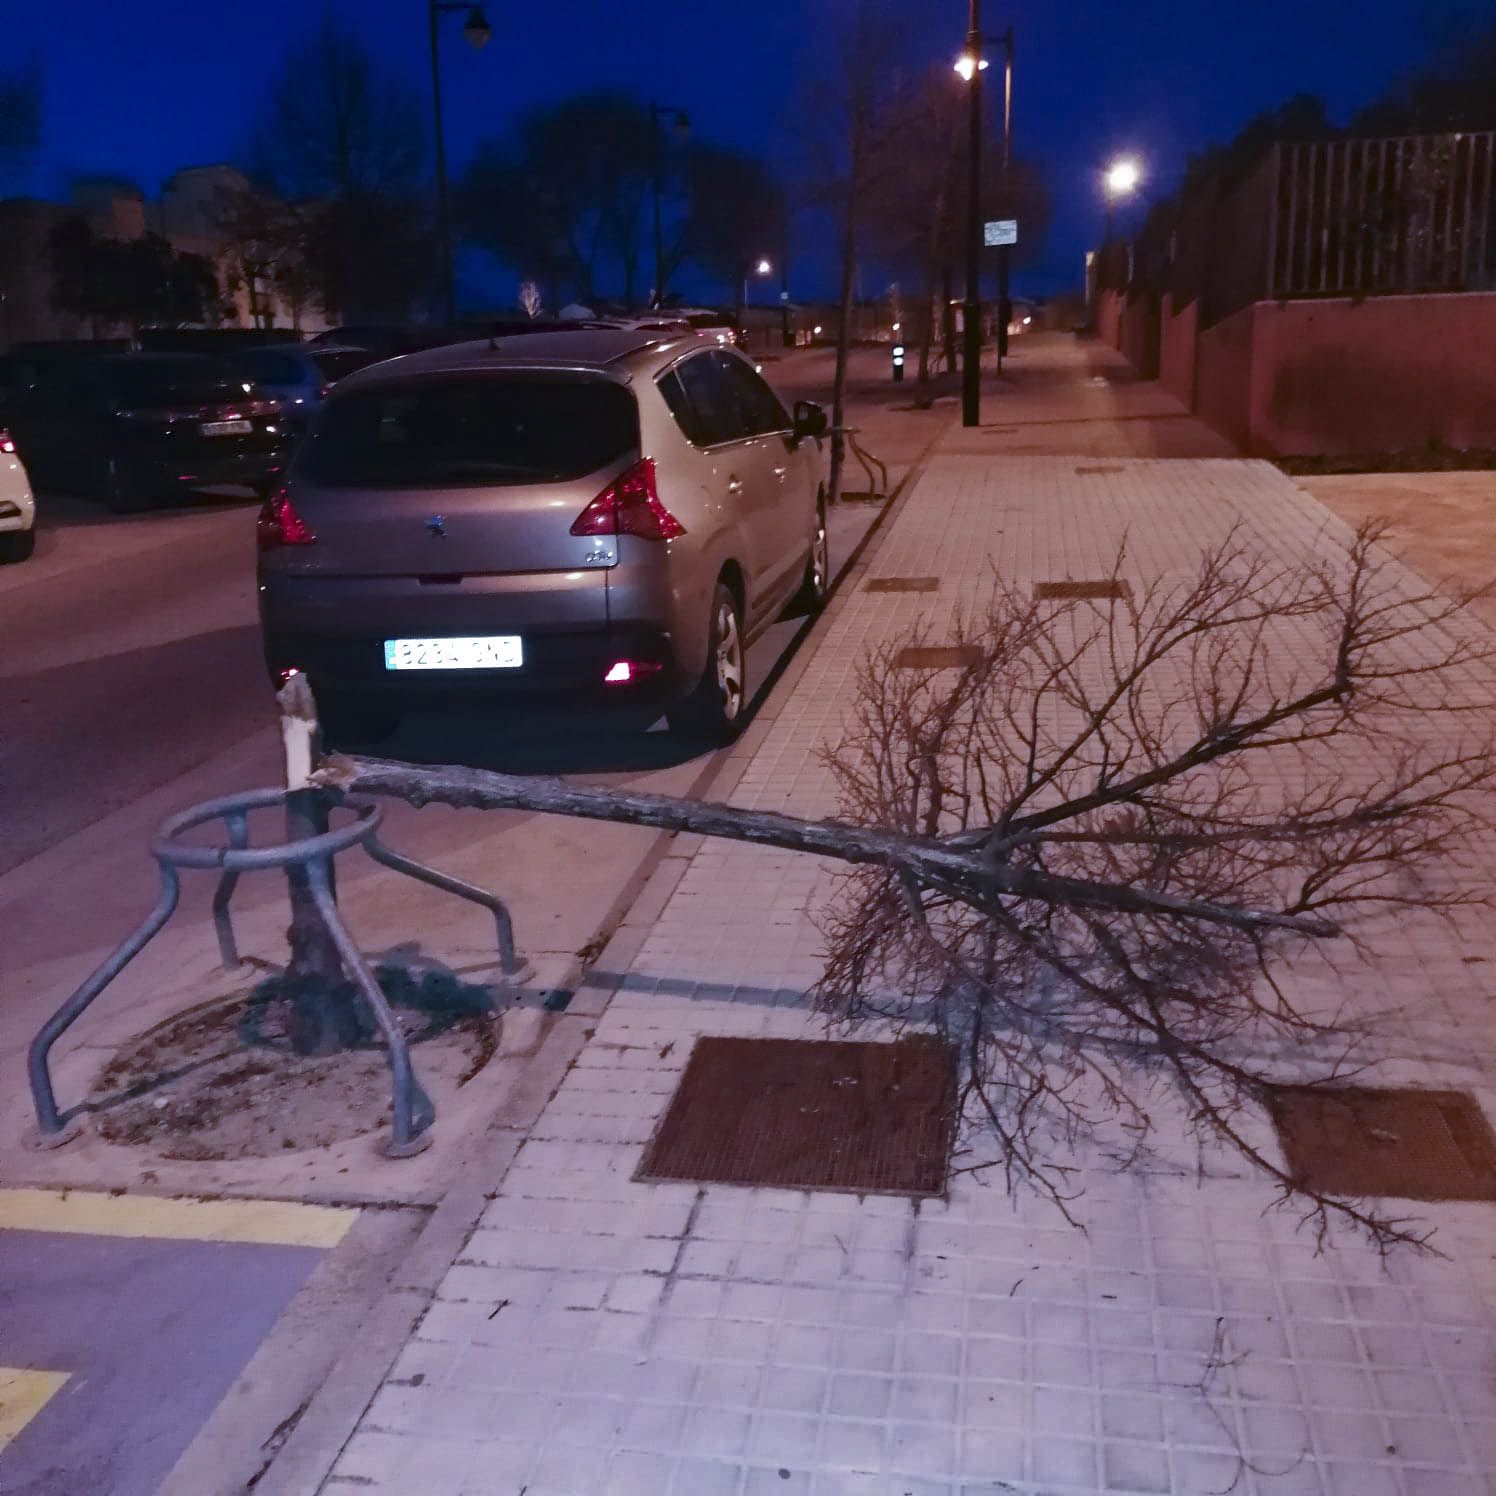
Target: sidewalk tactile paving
675, 1339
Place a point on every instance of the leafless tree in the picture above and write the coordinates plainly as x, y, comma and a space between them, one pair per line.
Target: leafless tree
344, 139
1102, 854
1293, 742
854, 120
20, 122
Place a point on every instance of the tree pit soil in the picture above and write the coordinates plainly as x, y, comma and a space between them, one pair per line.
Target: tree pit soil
190, 1088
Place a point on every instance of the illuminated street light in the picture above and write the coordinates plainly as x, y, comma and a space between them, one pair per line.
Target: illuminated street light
761, 266
1120, 180
1122, 177
963, 65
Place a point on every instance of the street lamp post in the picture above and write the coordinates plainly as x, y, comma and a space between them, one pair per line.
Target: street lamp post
760, 266
1004, 304
1121, 180
682, 126
478, 33
971, 373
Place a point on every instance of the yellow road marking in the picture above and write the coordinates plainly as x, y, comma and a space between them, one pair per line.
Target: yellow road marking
261, 1222
23, 1394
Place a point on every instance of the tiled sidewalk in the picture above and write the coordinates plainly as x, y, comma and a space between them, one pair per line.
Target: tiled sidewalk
598, 1335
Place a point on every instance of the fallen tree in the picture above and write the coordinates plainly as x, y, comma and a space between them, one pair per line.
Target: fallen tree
1087, 853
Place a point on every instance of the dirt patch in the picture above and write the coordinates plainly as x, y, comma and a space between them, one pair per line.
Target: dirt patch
196, 1088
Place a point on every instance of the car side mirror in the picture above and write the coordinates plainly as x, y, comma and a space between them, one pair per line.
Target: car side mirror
810, 420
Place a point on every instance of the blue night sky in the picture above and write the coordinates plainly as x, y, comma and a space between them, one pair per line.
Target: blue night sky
139, 87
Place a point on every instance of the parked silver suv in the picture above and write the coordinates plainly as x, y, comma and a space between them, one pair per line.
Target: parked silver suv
605, 514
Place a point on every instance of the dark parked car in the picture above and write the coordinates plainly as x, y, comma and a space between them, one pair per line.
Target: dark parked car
299, 376
138, 428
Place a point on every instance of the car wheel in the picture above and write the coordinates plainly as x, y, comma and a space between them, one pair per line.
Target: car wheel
123, 493
17, 545
713, 712
348, 720
816, 582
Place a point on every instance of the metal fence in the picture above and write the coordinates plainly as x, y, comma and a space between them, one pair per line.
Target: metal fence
1373, 217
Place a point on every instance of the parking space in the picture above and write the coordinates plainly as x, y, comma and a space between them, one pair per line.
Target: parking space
125, 1319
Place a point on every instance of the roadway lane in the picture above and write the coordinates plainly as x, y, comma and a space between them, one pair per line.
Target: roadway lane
129, 655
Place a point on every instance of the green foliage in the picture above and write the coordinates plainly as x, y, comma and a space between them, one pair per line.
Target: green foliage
136, 282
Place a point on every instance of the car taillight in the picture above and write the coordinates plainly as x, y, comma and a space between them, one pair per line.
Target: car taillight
630, 672
7, 441
279, 523
630, 506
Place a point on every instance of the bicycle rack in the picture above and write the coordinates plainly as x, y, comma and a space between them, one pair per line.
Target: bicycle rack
877, 486
413, 1112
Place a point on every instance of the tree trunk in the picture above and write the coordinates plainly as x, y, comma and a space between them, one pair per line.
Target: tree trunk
960, 868
947, 318
322, 1018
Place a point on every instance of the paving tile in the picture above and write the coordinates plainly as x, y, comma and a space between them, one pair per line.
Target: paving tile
684, 1340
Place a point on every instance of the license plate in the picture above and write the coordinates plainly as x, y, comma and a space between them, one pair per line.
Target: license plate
227, 428
483, 652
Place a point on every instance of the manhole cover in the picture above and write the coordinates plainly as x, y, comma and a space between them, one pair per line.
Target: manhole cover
937, 657
903, 584
1411, 1144
802, 1114
1068, 591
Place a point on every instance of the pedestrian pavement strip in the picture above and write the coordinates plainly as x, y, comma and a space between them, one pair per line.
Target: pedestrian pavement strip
598, 1334
125, 1318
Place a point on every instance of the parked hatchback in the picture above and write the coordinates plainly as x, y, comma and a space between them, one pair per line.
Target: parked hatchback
139, 428
594, 515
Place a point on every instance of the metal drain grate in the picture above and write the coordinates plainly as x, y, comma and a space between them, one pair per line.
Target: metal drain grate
937, 657
1067, 591
1405, 1143
903, 584
1102, 467
800, 1114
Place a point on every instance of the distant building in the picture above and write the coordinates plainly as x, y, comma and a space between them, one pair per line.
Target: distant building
187, 214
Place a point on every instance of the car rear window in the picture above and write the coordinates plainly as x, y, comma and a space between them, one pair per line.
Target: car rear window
188, 379
462, 432
335, 366
271, 368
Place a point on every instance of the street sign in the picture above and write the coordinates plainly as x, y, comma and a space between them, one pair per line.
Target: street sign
1000, 231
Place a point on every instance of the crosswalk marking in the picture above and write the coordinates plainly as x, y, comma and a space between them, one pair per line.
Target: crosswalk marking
23, 1394
256, 1222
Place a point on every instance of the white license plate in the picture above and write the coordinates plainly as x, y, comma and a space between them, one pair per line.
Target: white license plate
227, 428
483, 652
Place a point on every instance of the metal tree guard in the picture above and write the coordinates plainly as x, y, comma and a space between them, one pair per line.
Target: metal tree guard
413, 1112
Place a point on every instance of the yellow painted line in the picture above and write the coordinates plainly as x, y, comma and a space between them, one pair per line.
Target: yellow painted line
23, 1394
259, 1222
